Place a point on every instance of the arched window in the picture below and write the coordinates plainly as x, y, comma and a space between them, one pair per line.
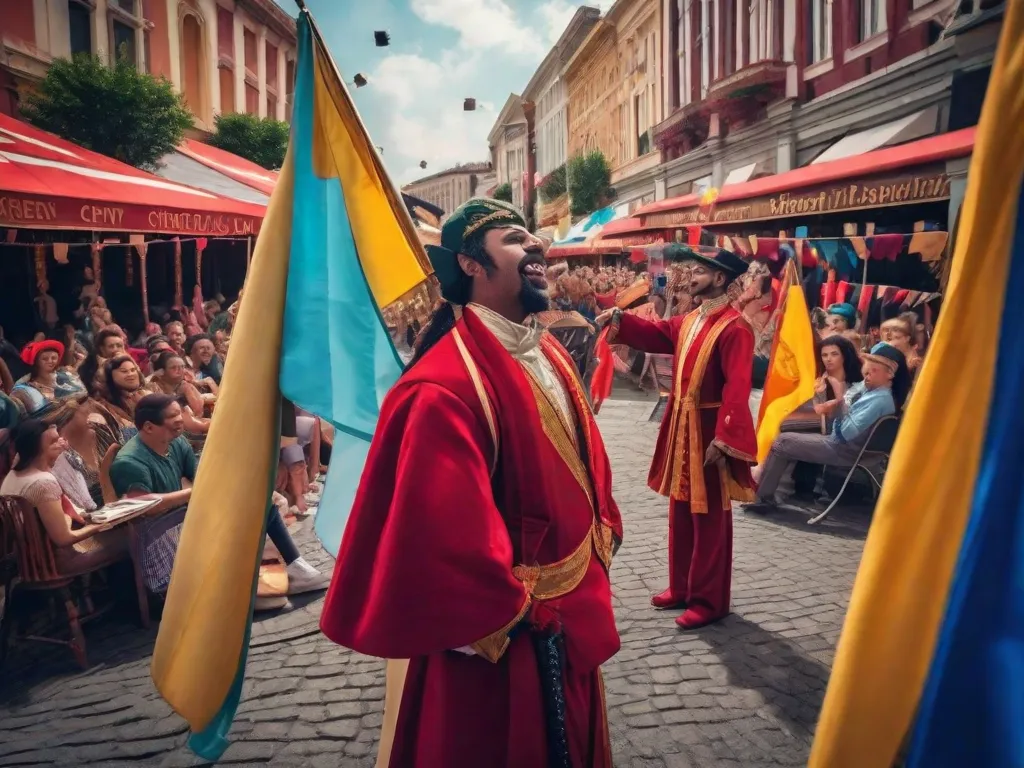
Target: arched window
193, 60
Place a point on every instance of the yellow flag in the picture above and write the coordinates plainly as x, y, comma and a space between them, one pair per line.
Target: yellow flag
792, 369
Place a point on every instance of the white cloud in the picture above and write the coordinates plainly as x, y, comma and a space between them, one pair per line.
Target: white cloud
555, 16
423, 96
482, 24
426, 118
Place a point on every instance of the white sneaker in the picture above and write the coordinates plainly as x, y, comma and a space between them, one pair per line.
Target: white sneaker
303, 577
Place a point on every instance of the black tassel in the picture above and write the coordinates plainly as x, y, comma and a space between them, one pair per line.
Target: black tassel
550, 649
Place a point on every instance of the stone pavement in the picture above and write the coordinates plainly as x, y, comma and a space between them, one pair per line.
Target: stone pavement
743, 693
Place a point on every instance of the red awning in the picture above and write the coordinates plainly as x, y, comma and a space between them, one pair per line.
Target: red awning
932, 149
49, 183
618, 227
234, 167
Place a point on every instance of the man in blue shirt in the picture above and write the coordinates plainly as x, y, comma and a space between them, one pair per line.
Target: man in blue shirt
863, 404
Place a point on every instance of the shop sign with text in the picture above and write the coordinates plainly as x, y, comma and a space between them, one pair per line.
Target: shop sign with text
41, 213
883, 192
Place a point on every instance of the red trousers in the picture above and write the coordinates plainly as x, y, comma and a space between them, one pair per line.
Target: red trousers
700, 555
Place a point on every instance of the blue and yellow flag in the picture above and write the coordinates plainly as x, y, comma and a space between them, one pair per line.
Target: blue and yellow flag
931, 656
337, 245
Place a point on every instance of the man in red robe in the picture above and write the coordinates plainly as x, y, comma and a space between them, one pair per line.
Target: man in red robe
481, 536
707, 443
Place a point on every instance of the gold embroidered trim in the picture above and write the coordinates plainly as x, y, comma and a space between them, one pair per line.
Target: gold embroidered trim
548, 582
557, 433
493, 646
486, 220
604, 719
560, 358
604, 544
728, 450
684, 419
542, 391
481, 392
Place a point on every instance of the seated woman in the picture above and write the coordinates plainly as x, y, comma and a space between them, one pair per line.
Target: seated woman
46, 382
841, 369
207, 366
882, 393
78, 546
169, 377
78, 468
115, 406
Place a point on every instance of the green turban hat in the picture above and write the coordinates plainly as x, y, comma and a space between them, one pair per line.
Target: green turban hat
469, 220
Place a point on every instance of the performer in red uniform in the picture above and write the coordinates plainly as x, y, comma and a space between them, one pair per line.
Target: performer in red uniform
483, 529
707, 444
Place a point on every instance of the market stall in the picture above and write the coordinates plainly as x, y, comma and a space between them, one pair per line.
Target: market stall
78, 222
871, 230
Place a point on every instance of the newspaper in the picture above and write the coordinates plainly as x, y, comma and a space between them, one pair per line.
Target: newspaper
123, 508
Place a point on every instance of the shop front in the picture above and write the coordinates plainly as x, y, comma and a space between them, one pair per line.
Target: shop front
78, 224
891, 209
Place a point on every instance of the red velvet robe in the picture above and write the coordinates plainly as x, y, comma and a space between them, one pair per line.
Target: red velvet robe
440, 521
709, 401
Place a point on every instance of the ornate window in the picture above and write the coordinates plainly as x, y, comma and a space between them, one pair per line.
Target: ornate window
194, 60
821, 30
125, 28
872, 18
763, 18
80, 26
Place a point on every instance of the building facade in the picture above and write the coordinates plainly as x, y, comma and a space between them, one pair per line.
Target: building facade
638, 38
450, 188
548, 92
221, 55
509, 148
759, 87
593, 80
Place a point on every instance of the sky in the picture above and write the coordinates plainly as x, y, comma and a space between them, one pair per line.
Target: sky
441, 52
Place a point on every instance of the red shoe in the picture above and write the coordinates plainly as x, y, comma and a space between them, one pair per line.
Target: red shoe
667, 600
694, 618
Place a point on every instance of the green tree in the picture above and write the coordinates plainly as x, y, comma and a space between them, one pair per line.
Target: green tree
589, 182
116, 111
503, 192
554, 185
264, 141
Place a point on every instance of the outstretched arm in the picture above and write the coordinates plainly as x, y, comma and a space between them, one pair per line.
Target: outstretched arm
656, 337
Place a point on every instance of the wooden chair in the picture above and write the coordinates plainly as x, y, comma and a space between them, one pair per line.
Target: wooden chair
24, 534
872, 459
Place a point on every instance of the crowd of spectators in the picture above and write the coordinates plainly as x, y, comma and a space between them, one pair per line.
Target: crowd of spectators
93, 417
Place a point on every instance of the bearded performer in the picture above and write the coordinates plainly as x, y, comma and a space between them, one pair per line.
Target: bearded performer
482, 532
707, 444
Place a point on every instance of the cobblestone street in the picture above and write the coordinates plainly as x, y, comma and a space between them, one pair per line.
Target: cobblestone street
743, 693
